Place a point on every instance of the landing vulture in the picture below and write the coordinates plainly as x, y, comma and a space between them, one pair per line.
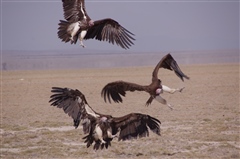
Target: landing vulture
79, 25
117, 89
101, 129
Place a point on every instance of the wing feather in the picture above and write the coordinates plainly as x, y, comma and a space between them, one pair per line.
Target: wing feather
72, 10
74, 104
169, 63
115, 90
111, 31
135, 125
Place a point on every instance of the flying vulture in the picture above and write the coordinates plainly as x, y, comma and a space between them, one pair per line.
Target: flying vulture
100, 128
117, 89
79, 25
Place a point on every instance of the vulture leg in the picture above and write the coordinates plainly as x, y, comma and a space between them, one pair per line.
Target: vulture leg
110, 135
81, 37
163, 101
149, 101
81, 43
171, 90
102, 141
98, 134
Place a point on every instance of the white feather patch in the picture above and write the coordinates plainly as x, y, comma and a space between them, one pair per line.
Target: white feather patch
84, 16
82, 34
73, 29
90, 111
160, 99
98, 133
79, 99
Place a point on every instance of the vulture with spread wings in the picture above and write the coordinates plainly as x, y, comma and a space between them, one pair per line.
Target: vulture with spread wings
100, 128
79, 25
115, 90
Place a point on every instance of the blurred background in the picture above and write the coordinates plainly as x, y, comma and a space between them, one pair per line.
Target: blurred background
194, 31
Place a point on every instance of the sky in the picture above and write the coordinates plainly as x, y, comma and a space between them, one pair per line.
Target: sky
158, 25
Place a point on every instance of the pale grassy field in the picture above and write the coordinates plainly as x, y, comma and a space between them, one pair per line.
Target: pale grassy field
204, 123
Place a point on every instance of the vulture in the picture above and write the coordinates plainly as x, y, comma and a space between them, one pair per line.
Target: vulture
114, 90
79, 25
100, 128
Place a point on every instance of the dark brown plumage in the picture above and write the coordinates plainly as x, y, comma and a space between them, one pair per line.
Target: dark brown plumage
101, 128
115, 90
78, 25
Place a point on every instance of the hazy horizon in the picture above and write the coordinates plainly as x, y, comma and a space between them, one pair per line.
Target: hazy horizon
74, 60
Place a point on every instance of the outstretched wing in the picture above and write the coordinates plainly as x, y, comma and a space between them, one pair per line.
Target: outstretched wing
169, 63
117, 89
74, 104
135, 125
111, 31
74, 10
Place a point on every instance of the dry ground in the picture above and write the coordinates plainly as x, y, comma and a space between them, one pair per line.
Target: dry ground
204, 122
